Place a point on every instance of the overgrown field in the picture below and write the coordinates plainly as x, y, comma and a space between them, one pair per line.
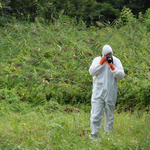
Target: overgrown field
45, 86
52, 126
41, 62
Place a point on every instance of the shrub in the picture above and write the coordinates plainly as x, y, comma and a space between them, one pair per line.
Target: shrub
5, 10
87, 10
9, 97
126, 17
147, 19
144, 96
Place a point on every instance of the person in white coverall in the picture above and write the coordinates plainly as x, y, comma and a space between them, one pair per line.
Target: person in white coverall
104, 92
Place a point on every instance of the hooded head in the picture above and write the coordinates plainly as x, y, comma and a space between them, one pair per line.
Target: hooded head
106, 49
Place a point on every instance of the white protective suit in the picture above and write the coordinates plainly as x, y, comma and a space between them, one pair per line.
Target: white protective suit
104, 93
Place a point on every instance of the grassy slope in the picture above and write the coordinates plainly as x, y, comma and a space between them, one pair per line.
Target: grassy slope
41, 63
37, 58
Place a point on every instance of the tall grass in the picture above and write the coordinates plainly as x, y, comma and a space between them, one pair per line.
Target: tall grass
68, 128
45, 65
55, 58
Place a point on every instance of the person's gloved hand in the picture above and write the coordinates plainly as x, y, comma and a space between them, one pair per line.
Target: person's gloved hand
103, 60
111, 66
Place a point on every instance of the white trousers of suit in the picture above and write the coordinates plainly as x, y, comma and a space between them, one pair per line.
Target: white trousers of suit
97, 116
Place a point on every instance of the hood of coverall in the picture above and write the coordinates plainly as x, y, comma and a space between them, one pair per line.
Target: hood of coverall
106, 49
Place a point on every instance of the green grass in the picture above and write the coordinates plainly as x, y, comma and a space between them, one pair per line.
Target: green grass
68, 128
55, 58
45, 86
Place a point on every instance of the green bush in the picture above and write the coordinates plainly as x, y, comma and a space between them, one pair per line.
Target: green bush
88, 10
24, 9
8, 96
5, 10
11, 98
126, 18
144, 96
147, 19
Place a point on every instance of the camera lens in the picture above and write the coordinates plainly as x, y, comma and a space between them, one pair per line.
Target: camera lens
109, 59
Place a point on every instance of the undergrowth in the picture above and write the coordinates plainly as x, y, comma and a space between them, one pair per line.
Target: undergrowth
53, 126
44, 61
45, 86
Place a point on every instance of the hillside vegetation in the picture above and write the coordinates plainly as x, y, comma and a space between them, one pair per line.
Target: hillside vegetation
89, 11
45, 85
41, 62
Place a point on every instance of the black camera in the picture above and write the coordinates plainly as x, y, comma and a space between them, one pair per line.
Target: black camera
109, 59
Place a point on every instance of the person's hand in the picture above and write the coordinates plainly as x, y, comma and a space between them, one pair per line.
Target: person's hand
111, 66
103, 60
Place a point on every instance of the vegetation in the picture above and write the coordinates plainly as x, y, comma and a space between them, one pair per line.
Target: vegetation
43, 62
52, 126
45, 86
89, 11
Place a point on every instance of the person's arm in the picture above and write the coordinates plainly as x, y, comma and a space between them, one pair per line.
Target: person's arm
96, 66
117, 70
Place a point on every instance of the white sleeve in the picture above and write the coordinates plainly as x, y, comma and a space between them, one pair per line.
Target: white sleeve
95, 67
118, 72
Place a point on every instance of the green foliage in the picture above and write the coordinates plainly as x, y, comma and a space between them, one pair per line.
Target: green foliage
90, 11
42, 63
47, 10
52, 126
126, 18
144, 96
147, 19
24, 9
4, 12
9, 97
127, 15
87, 10
136, 6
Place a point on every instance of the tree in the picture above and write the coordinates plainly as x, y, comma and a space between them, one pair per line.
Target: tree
136, 5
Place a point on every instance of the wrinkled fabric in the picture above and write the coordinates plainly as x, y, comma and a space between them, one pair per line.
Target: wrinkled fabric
105, 79
97, 116
104, 92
